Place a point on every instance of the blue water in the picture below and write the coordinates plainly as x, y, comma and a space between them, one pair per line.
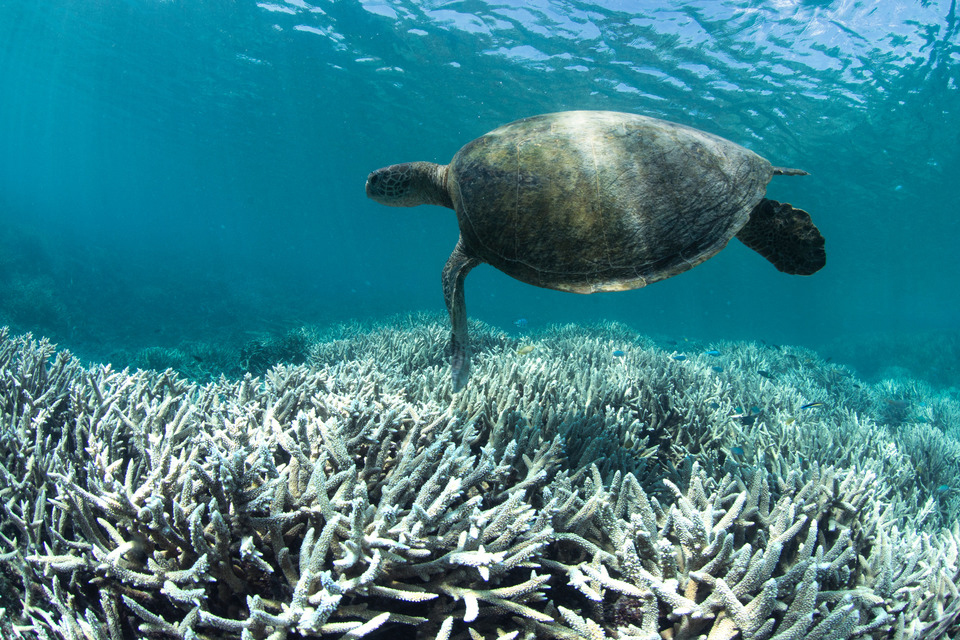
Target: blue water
194, 171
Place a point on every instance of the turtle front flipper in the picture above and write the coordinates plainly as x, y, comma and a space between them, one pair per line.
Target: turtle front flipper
786, 237
456, 269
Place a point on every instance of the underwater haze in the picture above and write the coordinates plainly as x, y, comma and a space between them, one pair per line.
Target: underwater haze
175, 172
239, 413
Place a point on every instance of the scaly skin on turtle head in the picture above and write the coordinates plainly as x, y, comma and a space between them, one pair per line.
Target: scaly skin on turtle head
409, 184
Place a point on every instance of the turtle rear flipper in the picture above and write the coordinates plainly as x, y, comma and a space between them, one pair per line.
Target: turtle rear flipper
786, 237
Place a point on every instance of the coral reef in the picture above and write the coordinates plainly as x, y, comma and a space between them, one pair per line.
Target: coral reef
598, 486
933, 356
27, 285
206, 361
258, 355
198, 361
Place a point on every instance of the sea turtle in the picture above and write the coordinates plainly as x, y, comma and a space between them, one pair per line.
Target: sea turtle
589, 201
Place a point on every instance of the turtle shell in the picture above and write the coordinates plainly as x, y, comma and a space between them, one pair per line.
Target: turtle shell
589, 201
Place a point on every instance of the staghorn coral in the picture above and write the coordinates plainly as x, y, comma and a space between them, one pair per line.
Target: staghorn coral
728, 560
182, 506
565, 494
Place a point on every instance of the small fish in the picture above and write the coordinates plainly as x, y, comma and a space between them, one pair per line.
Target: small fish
737, 451
520, 323
525, 349
618, 353
812, 405
713, 405
717, 368
197, 358
713, 352
745, 417
765, 374
943, 488
679, 357
789, 421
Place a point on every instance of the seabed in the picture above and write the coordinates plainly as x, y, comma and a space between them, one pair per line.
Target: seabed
599, 485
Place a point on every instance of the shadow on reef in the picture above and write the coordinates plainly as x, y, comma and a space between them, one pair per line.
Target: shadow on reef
203, 362
586, 484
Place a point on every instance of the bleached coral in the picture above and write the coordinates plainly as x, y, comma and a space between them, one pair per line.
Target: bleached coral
568, 493
729, 558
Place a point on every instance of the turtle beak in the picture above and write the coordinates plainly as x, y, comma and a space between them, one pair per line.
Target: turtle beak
378, 183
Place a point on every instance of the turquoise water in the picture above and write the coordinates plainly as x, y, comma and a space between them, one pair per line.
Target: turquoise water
194, 171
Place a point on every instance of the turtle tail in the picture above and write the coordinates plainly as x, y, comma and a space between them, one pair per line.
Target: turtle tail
785, 236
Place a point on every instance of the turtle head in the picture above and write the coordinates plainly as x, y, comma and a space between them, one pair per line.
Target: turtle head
409, 184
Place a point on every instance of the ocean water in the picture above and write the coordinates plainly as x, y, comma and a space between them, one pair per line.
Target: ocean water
182, 184
175, 172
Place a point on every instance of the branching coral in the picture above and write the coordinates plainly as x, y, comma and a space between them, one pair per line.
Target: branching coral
727, 560
591, 496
